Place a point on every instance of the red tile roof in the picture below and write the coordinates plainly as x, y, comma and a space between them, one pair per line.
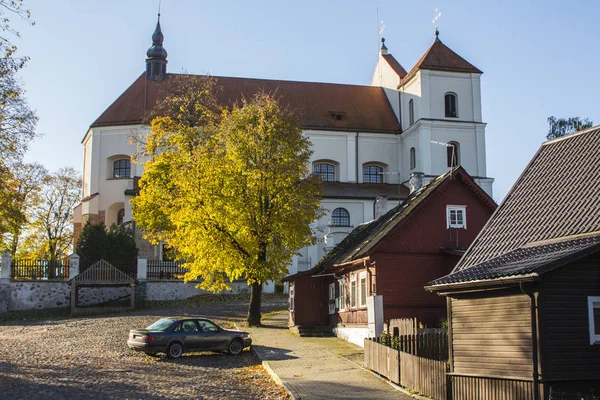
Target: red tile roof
395, 65
364, 108
440, 57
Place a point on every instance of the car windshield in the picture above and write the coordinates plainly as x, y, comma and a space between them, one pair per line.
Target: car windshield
160, 325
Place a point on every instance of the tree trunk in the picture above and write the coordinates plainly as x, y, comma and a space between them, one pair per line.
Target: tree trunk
254, 309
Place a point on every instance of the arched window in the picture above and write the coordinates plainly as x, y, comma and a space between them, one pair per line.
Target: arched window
413, 158
372, 174
122, 168
450, 105
453, 154
325, 171
411, 112
340, 217
120, 216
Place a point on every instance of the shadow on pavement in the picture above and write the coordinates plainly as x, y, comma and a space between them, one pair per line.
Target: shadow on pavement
266, 353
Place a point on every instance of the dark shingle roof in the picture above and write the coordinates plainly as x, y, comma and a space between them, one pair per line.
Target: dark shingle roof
537, 258
556, 197
366, 236
364, 108
345, 190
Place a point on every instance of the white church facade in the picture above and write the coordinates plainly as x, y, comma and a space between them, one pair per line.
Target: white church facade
368, 141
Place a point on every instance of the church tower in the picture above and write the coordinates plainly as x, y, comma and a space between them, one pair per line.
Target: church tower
156, 56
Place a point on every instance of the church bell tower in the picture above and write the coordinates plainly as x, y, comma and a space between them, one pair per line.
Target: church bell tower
156, 56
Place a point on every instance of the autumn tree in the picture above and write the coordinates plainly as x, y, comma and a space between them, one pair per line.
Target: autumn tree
234, 196
559, 127
51, 231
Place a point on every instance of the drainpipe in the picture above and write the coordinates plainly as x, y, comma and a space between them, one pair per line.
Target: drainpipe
356, 161
534, 342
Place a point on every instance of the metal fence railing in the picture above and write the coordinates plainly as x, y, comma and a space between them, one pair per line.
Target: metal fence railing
39, 269
158, 269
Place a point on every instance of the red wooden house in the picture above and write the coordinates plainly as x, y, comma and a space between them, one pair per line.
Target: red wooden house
394, 256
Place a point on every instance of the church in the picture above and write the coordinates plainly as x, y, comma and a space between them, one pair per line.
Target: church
370, 143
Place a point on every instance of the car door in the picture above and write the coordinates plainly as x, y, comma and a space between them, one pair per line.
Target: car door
212, 336
189, 334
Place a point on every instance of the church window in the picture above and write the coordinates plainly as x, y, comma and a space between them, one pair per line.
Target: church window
372, 174
340, 217
453, 154
456, 217
120, 216
122, 168
450, 105
413, 158
325, 171
411, 112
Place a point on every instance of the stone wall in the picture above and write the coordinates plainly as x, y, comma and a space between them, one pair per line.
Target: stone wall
4, 292
97, 295
36, 295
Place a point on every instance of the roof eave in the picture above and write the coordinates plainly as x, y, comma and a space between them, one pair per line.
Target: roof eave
451, 287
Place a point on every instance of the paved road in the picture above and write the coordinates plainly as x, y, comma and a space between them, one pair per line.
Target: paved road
317, 368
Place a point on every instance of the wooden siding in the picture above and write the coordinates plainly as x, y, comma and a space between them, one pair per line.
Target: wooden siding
350, 317
311, 301
475, 387
491, 335
566, 353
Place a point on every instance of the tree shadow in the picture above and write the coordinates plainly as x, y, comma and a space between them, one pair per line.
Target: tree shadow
266, 353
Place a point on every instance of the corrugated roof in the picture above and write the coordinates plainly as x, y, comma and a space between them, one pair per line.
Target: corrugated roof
363, 108
538, 258
440, 57
366, 236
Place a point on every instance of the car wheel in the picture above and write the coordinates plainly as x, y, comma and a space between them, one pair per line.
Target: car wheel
235, 347
175, 350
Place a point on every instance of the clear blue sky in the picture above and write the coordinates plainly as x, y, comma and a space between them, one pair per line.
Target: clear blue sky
539, 58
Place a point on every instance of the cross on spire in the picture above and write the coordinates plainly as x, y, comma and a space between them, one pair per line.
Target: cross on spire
436, 20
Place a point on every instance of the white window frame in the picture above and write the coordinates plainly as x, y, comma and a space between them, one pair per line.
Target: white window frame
291, 297
593, 303
353, 291
449, 210
342, 298
362, 290
332, 298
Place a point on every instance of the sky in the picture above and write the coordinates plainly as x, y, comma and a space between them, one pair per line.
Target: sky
539, 58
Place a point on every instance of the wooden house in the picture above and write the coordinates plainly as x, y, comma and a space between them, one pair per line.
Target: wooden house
524, 301
393, 256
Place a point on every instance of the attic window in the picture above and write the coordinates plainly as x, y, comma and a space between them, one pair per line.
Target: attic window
456, 217
337, 115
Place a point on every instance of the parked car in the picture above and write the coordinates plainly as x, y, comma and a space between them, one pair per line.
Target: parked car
176, 335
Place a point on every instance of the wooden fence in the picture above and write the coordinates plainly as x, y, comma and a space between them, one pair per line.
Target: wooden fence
382, 359
39, 269
417, 373
165, 269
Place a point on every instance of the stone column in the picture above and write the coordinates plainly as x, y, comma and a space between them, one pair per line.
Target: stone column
142, 268
73, 266
6, 268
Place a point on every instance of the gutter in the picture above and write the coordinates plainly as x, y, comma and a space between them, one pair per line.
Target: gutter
487, 282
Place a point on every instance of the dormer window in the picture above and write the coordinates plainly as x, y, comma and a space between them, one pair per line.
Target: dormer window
338, 115
450, 105
456, 217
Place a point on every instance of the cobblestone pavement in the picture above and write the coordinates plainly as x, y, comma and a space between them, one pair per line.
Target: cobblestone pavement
88, 358
317, 368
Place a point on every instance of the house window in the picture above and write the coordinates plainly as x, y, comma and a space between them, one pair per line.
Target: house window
413, 158
353, 291
291, 297
325, 171
411, 112
331, 298
340, 217
456, 217
452, 154
342, 301
594, 319
120, 216
122, 168
450, 105
372, 174
362, 279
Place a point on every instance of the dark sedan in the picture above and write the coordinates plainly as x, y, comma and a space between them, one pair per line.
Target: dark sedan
176, 335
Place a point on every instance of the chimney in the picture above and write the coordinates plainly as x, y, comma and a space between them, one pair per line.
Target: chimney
416, 181
380, 206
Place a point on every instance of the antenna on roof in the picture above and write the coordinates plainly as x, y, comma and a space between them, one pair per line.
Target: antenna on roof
436, 20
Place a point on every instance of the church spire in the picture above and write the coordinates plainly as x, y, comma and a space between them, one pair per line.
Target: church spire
156, 56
